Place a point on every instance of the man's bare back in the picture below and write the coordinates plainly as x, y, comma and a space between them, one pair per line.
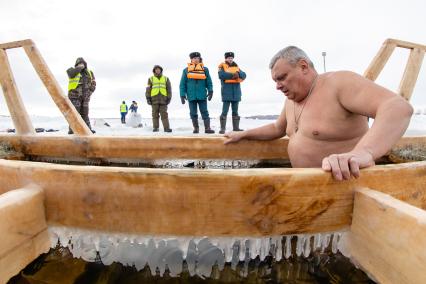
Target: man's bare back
325, 117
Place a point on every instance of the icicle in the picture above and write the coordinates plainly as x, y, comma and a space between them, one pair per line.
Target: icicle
325, 242
317, 241
242, 250
307, 246
279, 249
299, 244
287, 246
335, 243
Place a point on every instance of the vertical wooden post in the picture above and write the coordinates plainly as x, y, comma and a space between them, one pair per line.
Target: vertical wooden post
64, 104
379, 61
13, 99
411, 72
23, 229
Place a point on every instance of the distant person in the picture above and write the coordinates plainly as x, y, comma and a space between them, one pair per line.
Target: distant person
123, 112
135, 119
325, 117
230, 76
158, 95
81, 86
134, 107
196, 86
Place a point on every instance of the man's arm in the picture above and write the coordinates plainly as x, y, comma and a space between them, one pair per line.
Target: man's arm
182, 84
267, 132
92, 82
73, 71
391, 115
209, 82
169, 89
224, 75
148, 89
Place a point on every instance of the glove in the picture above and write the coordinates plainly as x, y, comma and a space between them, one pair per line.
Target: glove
168, 101
183, 99
149, 101
236, 75
210, 95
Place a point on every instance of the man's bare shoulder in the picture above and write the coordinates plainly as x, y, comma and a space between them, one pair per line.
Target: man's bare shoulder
342, 76
345, 80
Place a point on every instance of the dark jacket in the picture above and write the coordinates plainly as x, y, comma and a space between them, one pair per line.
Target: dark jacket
87, 83
159, 99
230, 91
195, 89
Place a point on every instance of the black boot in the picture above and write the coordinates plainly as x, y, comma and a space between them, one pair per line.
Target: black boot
222, 124
207, 128
236, 123
196, 126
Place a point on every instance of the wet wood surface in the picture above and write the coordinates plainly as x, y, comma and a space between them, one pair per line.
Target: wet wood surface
23, 230
387, 238
151, 148
251, 202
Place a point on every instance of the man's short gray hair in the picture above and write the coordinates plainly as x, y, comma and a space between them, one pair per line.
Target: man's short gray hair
292, 54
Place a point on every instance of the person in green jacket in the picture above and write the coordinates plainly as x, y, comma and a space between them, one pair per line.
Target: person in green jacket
158, 95
123, 111
196, 86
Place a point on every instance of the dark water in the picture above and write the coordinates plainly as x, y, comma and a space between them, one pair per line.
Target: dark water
58, 266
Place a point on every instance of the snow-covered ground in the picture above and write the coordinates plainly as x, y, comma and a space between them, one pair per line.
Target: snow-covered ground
180, 126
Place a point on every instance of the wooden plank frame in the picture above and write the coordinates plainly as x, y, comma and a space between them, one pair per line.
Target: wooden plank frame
387, 238
17, 110
23, 229
412, 68
187, 202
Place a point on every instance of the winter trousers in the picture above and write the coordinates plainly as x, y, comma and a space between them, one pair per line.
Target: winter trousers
225, 108
158, 110
123, 117
202, 105
81, 104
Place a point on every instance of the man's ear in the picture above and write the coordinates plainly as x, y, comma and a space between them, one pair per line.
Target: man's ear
304, 65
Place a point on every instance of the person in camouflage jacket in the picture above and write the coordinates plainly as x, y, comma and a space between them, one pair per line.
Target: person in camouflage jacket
81, 86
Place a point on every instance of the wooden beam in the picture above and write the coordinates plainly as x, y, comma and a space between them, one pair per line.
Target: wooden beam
13, 99
151, 148
16, 44
411, 72
406, 44
23, 229
64, 104
387, 238
147, 148
379, 61
251, 202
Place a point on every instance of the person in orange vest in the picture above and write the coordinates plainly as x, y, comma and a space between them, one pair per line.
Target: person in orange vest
230, 76
196, 86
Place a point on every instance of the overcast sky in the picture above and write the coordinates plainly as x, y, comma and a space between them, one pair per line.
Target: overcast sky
122, 40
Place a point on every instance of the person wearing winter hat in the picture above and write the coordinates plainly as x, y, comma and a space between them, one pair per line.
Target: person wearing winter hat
81, 86
196, 86
230, 76
158, 96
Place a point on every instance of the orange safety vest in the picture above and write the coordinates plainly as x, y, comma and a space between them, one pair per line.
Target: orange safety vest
196, 71
232, 70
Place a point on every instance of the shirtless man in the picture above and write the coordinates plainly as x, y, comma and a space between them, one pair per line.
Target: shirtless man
325, 117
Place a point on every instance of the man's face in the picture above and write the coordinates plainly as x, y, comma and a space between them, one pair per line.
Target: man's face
229, 60
289, 79
195, 60
157, 71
